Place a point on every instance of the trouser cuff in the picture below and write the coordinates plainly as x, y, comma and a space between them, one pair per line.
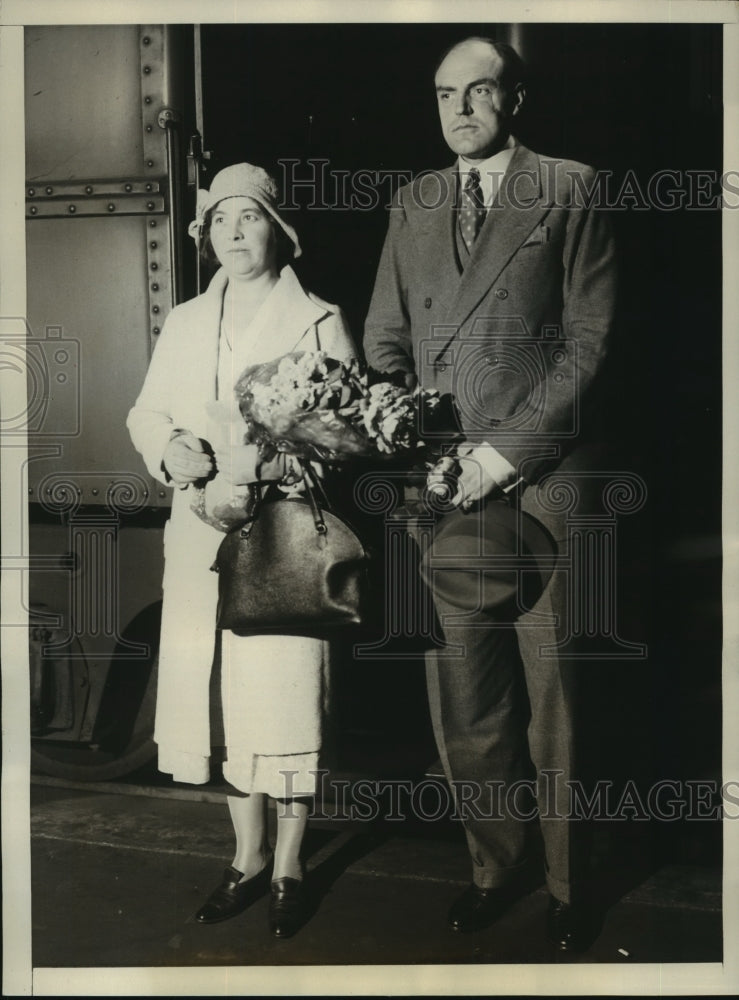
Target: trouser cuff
494, 878
565, 892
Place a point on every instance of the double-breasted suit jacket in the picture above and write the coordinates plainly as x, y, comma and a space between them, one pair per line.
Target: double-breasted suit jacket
519, 334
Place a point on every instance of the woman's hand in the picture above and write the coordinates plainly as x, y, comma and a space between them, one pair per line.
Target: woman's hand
184, 459
237, 463
241, 465
282, 468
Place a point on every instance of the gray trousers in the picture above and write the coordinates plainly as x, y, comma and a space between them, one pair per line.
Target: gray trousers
502, 713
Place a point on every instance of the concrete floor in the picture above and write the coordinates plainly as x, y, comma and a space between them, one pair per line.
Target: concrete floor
117, 878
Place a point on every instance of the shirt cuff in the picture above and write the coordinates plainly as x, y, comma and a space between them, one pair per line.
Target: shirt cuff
496, 465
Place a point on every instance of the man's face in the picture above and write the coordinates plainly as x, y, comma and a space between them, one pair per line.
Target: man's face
475, 110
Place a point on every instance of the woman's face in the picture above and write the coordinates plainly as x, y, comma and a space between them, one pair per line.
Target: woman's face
243, 238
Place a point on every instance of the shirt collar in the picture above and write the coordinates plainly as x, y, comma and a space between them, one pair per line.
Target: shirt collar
491, 170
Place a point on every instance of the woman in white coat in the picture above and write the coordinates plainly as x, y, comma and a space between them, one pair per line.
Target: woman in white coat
273, 688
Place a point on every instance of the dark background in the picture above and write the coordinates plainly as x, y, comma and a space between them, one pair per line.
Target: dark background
619, 97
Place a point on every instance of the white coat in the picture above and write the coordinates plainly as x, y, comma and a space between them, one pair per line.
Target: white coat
179, 385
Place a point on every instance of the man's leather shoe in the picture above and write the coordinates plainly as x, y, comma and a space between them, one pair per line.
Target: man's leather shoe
477, 908
288, 907
233, 896
568, 926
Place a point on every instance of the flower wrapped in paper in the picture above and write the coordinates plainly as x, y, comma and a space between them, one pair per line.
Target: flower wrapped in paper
317, 409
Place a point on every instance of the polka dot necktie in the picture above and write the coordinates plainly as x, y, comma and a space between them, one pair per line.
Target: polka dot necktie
472, 212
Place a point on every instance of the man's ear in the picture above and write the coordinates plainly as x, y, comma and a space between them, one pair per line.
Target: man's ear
517, 98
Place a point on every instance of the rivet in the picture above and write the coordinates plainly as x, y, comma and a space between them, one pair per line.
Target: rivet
146, 493
146, 39
149, 187
162, 493
150, 205
152, 224
155, 330
88, 188
155, 287
31, 192
148, 128
48, 491
154, 265
147, 100
30, 490
155, 309
34, 210
72, 209
111, 207
150, 163
128, 187
95, 491
147, 69
153, 244
49, 190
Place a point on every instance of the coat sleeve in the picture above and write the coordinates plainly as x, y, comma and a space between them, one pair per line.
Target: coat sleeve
387, 332
589, 286
334, 337
149, 421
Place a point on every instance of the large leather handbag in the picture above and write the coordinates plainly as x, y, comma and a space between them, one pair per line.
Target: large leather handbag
295, 568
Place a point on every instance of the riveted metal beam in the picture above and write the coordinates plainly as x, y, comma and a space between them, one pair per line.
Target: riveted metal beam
156, 110
89, 197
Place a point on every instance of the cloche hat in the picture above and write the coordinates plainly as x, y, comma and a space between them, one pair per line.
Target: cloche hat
241, 180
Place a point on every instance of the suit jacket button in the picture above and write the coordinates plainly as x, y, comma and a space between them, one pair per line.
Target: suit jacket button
501, 293
427, 303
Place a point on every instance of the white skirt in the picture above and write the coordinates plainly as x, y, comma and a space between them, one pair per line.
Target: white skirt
274, 691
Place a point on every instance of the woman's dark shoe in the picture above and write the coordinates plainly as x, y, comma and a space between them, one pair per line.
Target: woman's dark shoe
288, 907
233, 896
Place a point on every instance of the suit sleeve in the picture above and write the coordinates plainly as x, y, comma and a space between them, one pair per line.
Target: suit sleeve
589, 281
589, 289
387, 332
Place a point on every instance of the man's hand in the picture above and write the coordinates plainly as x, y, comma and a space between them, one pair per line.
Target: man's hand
464, 470
185, 460
474, 482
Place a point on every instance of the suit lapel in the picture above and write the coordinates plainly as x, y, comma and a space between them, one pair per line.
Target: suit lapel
513, 216
436, 194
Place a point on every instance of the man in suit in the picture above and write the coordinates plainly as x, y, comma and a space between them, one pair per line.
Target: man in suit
496, 285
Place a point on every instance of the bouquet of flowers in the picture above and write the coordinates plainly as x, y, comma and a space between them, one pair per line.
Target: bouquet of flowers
315, 408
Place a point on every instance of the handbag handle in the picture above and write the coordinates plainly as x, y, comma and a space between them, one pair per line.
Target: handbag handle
315, 509
312, 502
